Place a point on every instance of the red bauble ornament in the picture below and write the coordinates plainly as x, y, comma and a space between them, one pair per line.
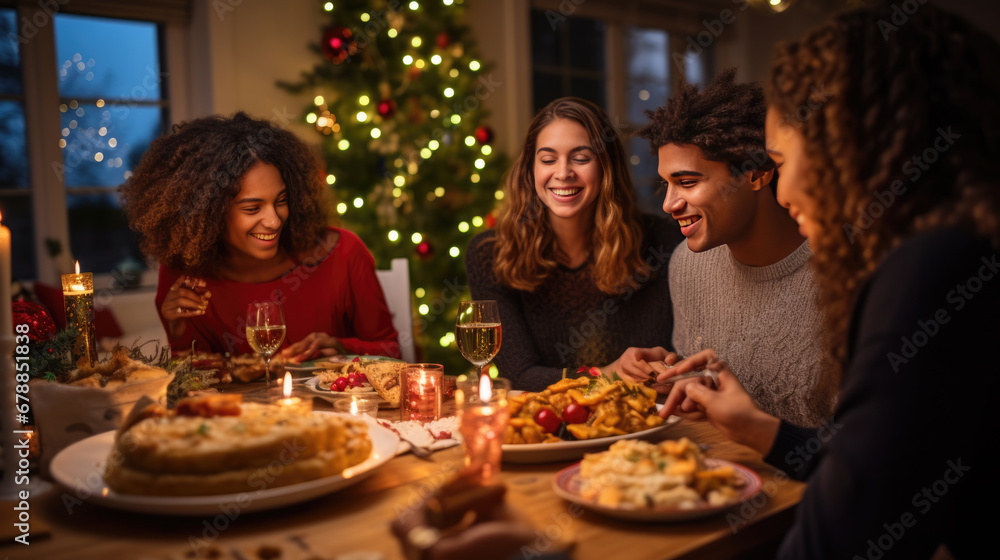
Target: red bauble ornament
425, 250
41, 327
484, 134
443, 39
490, 220
386, 108
338, 44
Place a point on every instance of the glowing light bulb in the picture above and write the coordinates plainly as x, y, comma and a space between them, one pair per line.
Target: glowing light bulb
474, 65
416, 42
424, 309
343, 144
407, 60
463, 227
364, 100
420, 292
311, 118
376, 133
416, 237
393, 235
358, 203
454, 252
470, 141
318, 100
399, 180
330, 179
341, 208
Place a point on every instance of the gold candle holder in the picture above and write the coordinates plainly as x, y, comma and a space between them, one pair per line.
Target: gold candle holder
78, 294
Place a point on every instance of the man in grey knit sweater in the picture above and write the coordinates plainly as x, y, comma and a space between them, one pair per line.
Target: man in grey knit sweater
741, 284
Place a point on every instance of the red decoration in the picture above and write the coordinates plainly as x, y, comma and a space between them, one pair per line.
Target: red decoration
338, 44
40, 324
484, 134
443, 39
386, 108
425, 250
490, 220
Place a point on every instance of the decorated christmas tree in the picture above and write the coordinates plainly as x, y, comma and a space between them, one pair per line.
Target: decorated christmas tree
397, 96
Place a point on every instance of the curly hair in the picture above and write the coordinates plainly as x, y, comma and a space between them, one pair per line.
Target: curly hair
725, 120
525, 246
180, 192
873, 102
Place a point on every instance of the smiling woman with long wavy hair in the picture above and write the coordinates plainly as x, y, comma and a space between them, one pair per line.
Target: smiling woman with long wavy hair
578, 272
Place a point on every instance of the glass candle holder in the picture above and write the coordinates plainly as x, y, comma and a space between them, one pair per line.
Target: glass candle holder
78, 293
421, 392
357, 406
482, 416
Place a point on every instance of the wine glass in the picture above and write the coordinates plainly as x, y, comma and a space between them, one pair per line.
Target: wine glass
265, 331
477, 329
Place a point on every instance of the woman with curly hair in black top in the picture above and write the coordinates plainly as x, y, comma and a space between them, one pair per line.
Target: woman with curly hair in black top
578, 273
886, 135
234, 210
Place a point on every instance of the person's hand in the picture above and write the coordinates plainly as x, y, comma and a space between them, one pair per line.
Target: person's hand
314, 344
634, 363
728, 406
184, 302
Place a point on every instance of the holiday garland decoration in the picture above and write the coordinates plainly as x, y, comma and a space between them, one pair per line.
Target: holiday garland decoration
397, 99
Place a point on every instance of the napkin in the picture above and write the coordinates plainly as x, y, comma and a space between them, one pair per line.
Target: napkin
439, 434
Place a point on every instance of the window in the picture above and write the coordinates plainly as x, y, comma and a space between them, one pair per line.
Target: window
620, 57
15, 194
73, 126
111, 107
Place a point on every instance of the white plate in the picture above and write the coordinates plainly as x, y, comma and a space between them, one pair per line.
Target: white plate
310, 365
571, 450
312, 385
79, 468
568, 482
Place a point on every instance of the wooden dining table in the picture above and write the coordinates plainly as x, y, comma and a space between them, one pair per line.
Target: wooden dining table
354, 522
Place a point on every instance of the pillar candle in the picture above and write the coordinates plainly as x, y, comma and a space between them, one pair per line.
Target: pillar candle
78, 293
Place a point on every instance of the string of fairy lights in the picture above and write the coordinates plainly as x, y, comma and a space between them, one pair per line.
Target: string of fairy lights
371, 123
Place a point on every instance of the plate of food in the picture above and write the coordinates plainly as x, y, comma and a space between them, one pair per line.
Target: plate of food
215, 453
669, 481
368, 376
577, 416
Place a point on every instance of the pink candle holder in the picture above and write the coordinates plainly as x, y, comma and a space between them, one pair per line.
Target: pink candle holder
482, 415
421, 392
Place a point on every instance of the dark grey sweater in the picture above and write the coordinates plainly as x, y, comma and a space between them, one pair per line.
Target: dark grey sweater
567, 322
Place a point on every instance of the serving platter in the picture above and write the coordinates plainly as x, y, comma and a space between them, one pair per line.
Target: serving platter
79, 469
568, 483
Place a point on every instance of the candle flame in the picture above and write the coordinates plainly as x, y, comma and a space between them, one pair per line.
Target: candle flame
286, 388
354, 405
1, 216
485, 388
78, 267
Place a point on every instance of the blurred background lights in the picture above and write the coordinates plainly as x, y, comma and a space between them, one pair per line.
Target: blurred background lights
318, 100
420, 292
341, 208
364, 100
393, 235
358, 203
463, 227
343, 144
474, 65
416, 237
477, 221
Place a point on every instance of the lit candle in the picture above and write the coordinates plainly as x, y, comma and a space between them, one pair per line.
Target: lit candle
357, 407
422, 392
8, 424
482, 414
6, 316
78, 293
289, 402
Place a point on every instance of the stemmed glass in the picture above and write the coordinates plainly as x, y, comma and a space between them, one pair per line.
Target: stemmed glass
265, 331
477, 329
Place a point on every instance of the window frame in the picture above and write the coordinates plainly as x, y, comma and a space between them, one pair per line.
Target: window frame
41, 98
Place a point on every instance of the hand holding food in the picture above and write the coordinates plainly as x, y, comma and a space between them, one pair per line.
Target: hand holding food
314, 344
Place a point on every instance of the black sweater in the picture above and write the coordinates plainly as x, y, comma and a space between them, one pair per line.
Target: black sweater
904, 465
567, 322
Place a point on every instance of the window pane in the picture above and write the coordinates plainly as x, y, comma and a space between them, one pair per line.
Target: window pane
586, 43
17, 216
645, 177
590, 89
545, 49
13, 152
10, 56
107, 58
101, 239
545, 88
101, 145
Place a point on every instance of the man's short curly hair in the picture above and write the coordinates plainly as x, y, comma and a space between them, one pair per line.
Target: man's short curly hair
178, 196
725, 119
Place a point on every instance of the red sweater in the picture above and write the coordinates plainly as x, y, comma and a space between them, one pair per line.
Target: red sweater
340, 295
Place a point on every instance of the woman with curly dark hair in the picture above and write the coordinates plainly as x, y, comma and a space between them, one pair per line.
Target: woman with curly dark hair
577, 271
234, 210
886, 134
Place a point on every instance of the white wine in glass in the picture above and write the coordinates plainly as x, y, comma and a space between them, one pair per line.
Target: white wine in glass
478, 332
265, 331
